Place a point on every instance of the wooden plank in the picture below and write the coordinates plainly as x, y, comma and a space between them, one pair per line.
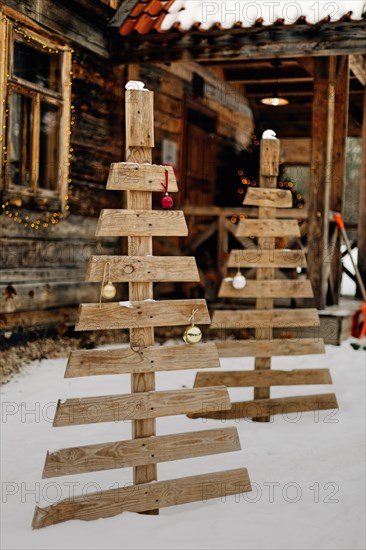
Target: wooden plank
141, 223
262, 378
263, 257
139, 119
148, 359
143, 269
270, 157
138, 452
271, 318
277, 198
267, 228
138, 406
130, 176
270, 348
287, 406
118, 315
144, 497
361, 233
268, 289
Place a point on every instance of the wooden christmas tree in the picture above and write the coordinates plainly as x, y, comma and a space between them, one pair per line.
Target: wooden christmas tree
266, 258
140, 269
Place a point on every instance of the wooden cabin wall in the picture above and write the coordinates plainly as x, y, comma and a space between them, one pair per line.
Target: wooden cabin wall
42, 272
172, 84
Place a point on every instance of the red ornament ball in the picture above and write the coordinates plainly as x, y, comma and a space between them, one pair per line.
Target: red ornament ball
166, 202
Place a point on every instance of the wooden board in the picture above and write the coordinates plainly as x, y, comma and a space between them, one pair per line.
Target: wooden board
130, 176
137, 406
277, 198
262, 378
144, 497
287, 406
266, 228
263, 257
142, 269
268, 289
150, 359
265, 318
139, 119
119, 315
137, 452
141, 223
270, 348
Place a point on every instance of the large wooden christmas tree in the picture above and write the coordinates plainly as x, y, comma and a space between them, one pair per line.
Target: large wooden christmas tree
266, 259
140, 269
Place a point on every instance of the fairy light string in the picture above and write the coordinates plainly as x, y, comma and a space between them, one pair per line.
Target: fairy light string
12, 206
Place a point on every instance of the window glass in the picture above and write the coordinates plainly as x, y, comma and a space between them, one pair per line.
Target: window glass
36, 65
49, 146
19, 149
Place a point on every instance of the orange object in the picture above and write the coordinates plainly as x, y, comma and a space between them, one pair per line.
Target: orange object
339, 221
363, 328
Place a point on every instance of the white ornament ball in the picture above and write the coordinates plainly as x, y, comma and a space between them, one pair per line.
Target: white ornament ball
109, 291
239, 281
192, 335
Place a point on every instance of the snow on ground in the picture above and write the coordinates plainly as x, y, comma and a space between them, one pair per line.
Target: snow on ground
307, 471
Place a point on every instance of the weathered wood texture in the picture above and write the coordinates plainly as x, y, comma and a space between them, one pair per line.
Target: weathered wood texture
129, 176
277, 198
142, 268
263, 257
361, 232
141, 223
144, 497
138, 406
270, 348
138, 452
268, 289
147, 313
263, 378
265, 318
286, 406
147, 359
267, 228
321, 175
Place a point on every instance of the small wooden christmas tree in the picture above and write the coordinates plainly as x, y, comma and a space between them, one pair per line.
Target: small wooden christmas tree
266, 258
140, 269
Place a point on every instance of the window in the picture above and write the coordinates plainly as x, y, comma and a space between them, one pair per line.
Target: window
37, 116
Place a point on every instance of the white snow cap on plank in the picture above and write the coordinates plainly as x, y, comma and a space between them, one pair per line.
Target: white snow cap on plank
229, 12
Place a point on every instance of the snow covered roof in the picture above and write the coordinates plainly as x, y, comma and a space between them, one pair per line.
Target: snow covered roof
145, 16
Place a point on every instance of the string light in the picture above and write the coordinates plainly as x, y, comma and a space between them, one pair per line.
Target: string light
11, 206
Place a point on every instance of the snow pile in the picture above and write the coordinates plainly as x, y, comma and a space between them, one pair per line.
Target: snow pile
229, 12
307, 471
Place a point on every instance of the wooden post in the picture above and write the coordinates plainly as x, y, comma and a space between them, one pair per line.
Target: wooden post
361, 232
139, 143
339, 164
269, 163
321, 174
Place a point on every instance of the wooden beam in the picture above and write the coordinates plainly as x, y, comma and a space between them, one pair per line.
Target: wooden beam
268, 289
144, 497
361, 230
129, 176
119, 315
239, 319
286, 406
148, 359
277, 198
270, 348
141, 223
142, 268
262, 378
357, 65
339, 167
138, 452
139, 406
264, 257
321, 174
267, 228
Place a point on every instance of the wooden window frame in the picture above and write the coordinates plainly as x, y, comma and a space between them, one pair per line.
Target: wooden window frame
62, 99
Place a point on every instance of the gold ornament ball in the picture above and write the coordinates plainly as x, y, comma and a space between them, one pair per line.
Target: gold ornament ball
109, 291
192, 335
